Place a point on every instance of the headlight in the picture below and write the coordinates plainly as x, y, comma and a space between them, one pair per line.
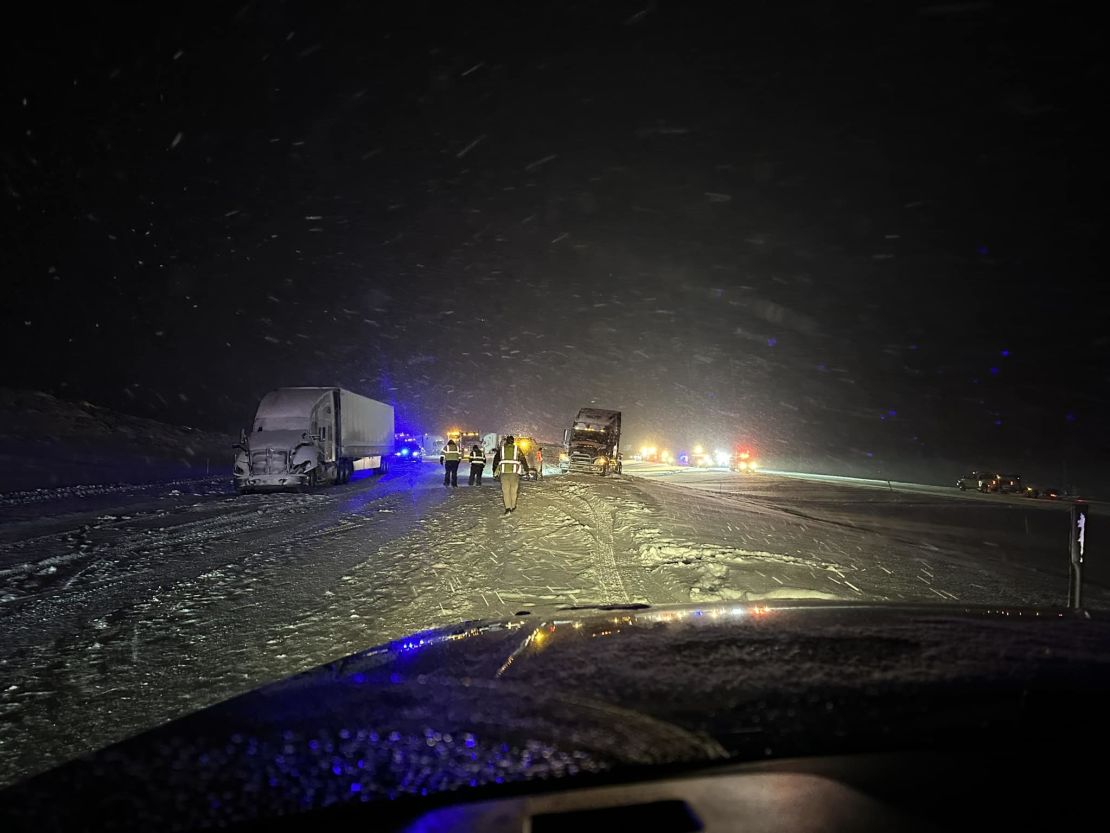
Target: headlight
600, 461
563, 455
753, 465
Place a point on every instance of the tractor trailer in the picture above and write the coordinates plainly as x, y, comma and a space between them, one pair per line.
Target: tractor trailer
304, 437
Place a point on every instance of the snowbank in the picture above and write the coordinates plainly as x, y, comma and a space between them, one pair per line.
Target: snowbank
49, 442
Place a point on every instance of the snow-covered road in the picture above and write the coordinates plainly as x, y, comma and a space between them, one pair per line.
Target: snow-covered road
1011, 532
123, 607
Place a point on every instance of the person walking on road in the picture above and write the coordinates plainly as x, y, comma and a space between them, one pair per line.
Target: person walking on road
509, 463
477, 464
450, 459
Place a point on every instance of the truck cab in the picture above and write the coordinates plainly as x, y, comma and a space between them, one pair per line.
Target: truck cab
592, 443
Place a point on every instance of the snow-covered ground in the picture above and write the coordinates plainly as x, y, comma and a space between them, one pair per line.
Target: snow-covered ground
124, 607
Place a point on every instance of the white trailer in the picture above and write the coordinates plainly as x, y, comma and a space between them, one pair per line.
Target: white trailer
304, 437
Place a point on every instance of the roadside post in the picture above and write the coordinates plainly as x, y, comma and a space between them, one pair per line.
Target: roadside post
1078, 542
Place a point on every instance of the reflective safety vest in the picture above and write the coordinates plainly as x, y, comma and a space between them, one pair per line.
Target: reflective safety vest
451, 453
510, 462
478, 458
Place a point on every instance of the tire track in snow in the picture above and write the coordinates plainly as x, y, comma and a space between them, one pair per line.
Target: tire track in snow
268, 607
601, 542
119, 558
110, 573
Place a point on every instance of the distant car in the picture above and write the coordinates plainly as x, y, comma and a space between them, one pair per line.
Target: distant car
1009, 484
408, 452
1045, 492
1003, 484
974, 480
743, 459
988, 482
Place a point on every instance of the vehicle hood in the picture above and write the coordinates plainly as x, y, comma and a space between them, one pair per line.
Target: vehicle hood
279, 440
580, 692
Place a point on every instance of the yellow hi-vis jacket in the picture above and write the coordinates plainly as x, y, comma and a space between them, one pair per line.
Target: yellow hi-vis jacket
477, 458
510, 460
451, 452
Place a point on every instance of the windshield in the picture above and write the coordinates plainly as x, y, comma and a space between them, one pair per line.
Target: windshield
269, 424
814, 261
589, 436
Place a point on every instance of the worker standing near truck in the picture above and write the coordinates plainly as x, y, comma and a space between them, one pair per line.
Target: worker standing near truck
477, 465
509, 463
450, 459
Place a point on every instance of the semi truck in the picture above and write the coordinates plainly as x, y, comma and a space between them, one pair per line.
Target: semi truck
304, 437
592, 444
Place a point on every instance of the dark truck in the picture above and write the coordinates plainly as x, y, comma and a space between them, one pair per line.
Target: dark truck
593, 443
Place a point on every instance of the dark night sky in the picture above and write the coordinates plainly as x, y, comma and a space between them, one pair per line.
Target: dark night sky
870, 234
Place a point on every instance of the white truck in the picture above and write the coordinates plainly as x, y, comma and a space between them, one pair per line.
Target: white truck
304, 437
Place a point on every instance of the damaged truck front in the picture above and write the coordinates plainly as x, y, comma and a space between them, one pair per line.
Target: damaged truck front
304, 437
593, 443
